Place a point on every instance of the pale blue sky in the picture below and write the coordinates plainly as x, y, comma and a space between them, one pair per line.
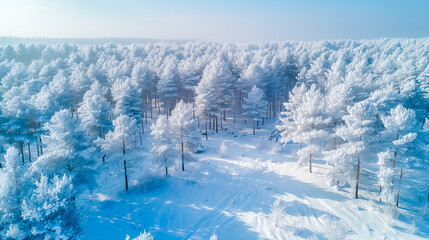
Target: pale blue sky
220, 20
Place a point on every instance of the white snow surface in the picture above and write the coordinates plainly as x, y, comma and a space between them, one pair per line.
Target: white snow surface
231, 195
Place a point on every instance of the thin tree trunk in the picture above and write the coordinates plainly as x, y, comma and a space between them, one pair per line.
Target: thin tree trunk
253, 120
126, 175
357, 178
207, 136
224, 114
311, 170
166, 168
37, 145
29, 152
103, 158
125, 165
183, 158
22, 150
217, 119
399, 188
41, 148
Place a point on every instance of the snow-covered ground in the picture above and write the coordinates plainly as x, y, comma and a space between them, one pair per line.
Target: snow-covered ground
231, 192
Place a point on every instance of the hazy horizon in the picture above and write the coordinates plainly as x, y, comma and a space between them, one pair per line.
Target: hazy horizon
221, 21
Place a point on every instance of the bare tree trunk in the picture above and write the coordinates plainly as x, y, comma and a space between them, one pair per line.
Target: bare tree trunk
207, 136
166, 168
224, 114
125, 165
183, 158
41, 148
253, 120
399, 187
103, 158
311, 170
21, 145
126, 175
37, 145
29, 152
217, 119
151, 107
357, 178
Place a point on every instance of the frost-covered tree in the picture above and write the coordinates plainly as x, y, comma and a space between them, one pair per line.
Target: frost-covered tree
385, 176
277, 214
168, 85
213, 237
12, 193
66, 150
143, 236
58, 94
215, 91
255, 105
289, 127
358, 133
306, 111
120, 144
127, 96
185, 130
164, 145
52, 211
94, 110
400, 127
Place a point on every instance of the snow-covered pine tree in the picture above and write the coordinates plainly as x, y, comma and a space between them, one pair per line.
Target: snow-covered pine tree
120, 144
169, 85
401, 129
12, 192
306, 121
52, 211
255, 105
127, 96
358, 133
277, 214
289, 127
385, 176
143, 236
215, 91
164, 145
94, 111
185, 130
66, 150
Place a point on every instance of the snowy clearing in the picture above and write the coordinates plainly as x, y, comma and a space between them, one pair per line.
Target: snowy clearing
232, 196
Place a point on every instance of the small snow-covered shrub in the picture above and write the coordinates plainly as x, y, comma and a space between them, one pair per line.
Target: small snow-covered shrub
143, 236
334, 229
277, 214
213, 237
277, 148
391, 213
223, 150
413, 228
424, 209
